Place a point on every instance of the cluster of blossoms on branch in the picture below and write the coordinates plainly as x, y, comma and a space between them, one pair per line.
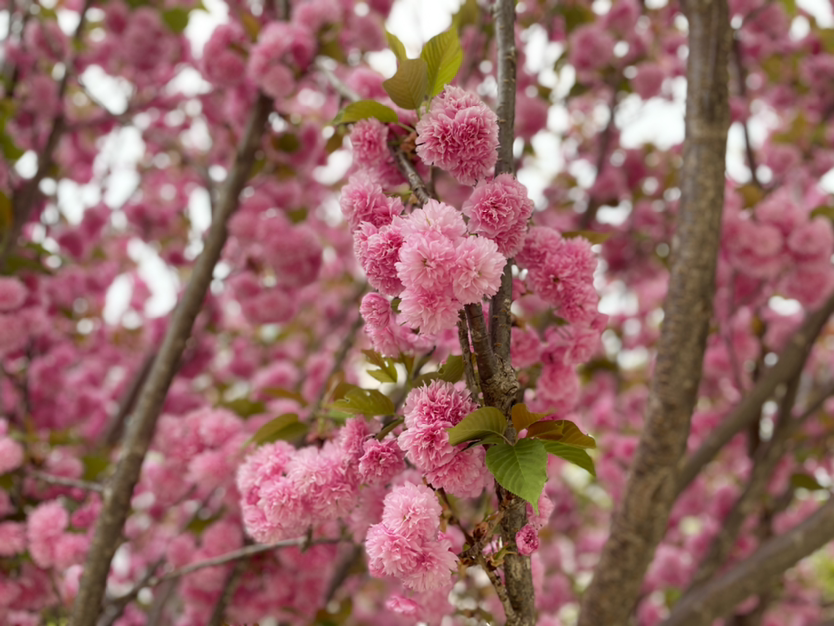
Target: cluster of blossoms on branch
90, 236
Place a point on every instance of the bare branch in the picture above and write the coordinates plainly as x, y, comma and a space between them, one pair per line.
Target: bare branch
415, 181
506, 59
791, 360
756, 573
741, 81
343, 90
118, 492
23, 201
607, 135
229, 587
765, 460
62, 481
237, 555
640, 521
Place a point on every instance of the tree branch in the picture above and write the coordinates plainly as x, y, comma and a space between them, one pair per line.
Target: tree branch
756, 573
640, 521
741, 78
590, 213
63, 481
23, 202
764, 463
118, 492
466, 352
229, 587
791, 360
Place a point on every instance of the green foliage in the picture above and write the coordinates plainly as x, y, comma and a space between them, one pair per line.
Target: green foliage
396, 46
443, 56
244, 407
520, 469
523, 418
94, 466
280, 392
368, 402
477, 425
562, 431
285, 427
387, 372
409, 86
571, 454
176, 19
451, 371
805, 481
366, 109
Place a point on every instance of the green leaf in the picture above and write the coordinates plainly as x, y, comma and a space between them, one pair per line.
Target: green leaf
520, 469
467, 15
590, 235
823, 211
366, 109
805, 481
443, 56
489, 440
244, 407
176, 19
94, 466
562, 431
284, 427
280, 392
571, 454
382, 376
396, 46
523, 418
481, 423
387, 372
409, 86
451, 371
368, 402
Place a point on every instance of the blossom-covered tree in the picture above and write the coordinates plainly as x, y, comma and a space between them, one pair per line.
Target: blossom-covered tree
451, 343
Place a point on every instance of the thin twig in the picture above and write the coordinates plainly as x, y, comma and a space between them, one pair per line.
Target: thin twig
791, 360
23, 202
243, 553
63, 481
757, 572
229, 587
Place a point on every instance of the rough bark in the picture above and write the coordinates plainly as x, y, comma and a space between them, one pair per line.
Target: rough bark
756, 573
640, 522
118, 492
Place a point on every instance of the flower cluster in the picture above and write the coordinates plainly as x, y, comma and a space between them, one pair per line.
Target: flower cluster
11, 452
284, 491
499, 209
459, 134
282, 49
407, 544
429, 412
561, 273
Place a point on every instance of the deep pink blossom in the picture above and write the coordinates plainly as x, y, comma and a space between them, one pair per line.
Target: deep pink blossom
527, 540
412, 511
12, 539
12, 293
499, 209
460, 135
363, 200
381, 461
378, 250
477, 270
11, 455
